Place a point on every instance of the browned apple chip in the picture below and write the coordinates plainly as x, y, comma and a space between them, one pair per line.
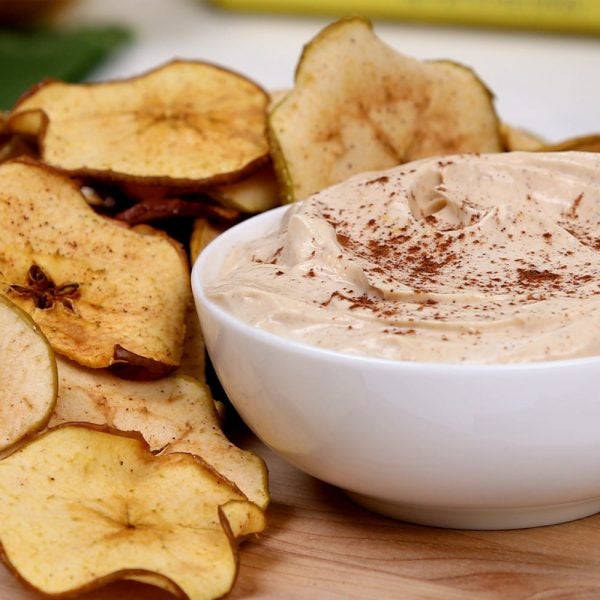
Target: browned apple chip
186, 123
204, 232
585, 143
358, 105
175, 414
103, 293
81, 507
13, 146
147, 211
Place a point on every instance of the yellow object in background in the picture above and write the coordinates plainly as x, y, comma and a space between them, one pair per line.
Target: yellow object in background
581, 16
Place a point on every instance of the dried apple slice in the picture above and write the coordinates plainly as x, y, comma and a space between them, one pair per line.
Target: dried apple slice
193, 354
584, 143
516, 139
358, 105
243, 520
186, 123
257, 193
204, 231
27, 373
12, 146
175, 414
81, 507
276, 96
103, 293
147, 211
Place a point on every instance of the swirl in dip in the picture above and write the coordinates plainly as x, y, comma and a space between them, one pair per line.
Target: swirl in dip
478, 259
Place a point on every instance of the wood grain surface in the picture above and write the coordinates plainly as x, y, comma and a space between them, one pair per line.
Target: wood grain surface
319, 545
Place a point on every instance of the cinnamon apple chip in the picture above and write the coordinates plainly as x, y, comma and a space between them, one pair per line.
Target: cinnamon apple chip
175, 414
104, 294
358, 105
186, 123
80, 507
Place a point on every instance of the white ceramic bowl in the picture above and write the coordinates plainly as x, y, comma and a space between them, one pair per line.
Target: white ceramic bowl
468, 446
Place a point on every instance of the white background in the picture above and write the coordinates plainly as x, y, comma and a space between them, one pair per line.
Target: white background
547, 83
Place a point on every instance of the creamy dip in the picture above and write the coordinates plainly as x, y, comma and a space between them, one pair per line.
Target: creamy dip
479, 259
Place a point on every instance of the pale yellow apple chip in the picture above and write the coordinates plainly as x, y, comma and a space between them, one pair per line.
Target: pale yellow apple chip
174, 414
358, 105
81, 507
186, 123
242, 522
193, 354
27, 375
203, 233
103, 293
254, 194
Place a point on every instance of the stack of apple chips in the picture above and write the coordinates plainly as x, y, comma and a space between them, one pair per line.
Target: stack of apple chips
114, 464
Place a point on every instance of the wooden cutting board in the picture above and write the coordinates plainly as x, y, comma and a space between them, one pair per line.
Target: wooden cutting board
319, 545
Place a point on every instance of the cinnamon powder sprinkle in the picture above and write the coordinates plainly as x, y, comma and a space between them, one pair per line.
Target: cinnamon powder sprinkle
533, 278
467, 259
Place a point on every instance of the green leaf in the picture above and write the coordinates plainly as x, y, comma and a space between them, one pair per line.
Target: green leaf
27, 57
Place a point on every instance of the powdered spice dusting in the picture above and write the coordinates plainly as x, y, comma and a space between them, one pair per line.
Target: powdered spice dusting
488, 259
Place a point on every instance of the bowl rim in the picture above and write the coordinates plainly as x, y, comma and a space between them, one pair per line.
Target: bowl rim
228, 238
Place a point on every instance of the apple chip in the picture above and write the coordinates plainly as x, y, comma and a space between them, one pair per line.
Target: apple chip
584, 143
516, 139
80, 507
193, 354
103, 293
257, 193
175, 414
147, 211
28, 375
186, 123
276, 96
244, 519
12, 146
358, 105
203, 233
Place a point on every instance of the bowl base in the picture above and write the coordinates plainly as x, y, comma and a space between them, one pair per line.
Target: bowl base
475, 518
